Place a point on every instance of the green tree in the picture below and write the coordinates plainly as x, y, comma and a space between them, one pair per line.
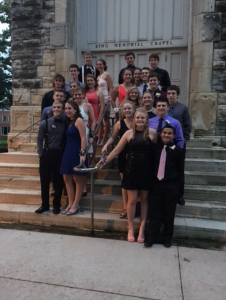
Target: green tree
5, 56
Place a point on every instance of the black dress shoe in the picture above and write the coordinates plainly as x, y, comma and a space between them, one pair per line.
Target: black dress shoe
41, 210
167, 243
181, 201
56, 210
149, 242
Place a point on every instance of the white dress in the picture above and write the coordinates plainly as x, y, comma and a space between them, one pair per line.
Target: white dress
103, 87
86, 121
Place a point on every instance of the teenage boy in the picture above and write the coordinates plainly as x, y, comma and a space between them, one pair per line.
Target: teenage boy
88, 68
58, 95
130, 59
154, 83
162, 119
52, 134
165, 188
145, 73
163, 74
58, 83
74, 72
180, 112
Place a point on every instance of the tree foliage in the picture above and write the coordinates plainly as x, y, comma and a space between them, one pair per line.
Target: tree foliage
5, 56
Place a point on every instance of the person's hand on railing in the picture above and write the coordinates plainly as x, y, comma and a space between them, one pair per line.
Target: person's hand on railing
102, 161
104, 149
109, 98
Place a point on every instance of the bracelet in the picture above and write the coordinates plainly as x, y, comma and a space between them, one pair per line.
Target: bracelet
82, 152
102, 161
91, 133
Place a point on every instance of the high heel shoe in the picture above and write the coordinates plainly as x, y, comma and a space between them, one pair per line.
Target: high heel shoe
66, 210
130, 239
123, 215
70, 213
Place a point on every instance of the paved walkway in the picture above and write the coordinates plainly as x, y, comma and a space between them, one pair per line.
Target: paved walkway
41, 266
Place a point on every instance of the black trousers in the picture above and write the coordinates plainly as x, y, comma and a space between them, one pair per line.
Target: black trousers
49, 165
182, 180
162, 207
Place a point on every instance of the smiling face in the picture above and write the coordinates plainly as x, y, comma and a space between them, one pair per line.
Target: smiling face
57, 109
153, 63
133, 95
58, 84
162, 109
78, 97
140, 120
74, 73
73, 85
69, 111
153, 83
59, 96
127, 76
137, 75
100, 66
128, 110
172, 96
88, 60
90, 82
144, 75
147, 100
130, 60
167, 135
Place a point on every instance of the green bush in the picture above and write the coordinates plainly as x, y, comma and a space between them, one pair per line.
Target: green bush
3, 146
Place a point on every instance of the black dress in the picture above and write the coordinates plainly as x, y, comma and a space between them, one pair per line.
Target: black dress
138, 170
123, 153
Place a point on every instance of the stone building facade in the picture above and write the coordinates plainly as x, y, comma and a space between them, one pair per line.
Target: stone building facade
43, 44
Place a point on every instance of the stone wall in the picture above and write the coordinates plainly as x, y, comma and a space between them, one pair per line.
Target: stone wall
43, 34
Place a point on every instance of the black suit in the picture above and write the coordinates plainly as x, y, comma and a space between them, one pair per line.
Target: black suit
165, 192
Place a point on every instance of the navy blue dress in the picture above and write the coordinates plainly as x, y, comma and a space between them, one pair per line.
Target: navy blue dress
71, 156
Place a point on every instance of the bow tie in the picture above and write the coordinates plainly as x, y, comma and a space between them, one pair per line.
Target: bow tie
58, 120
91, 68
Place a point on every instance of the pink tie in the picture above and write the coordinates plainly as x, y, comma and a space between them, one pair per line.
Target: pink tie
162, 163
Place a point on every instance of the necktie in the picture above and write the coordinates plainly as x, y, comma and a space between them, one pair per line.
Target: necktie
145, 88
159, 129
162, 163
170, 112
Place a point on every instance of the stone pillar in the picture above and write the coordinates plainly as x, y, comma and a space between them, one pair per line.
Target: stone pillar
208, 73
43, 34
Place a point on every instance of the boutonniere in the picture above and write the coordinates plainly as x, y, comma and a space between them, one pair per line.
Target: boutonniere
116, 109
167, 122
157, 95
173, 147
53, 126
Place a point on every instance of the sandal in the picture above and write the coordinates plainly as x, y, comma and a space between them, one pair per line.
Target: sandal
66, 210
123, 215
70, 213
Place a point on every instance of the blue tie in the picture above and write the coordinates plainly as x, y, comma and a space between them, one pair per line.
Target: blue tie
170, 112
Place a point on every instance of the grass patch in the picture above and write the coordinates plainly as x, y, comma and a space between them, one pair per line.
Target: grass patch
3, 146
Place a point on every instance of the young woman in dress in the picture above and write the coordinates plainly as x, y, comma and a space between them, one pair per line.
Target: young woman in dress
121, 89
137, 76
105, 85
147, 102
137, 173
87, 113
119, 129
96, 99
74, 152
132, 95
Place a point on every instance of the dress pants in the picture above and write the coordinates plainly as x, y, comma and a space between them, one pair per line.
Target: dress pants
162, 207
50, 162
182, 179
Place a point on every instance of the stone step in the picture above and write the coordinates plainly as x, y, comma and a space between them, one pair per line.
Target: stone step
23, 169
19, 158
205, 165
28, 197
214, 152
205, 178
205, 193
199, 143
184, 227
29, 147
20, 182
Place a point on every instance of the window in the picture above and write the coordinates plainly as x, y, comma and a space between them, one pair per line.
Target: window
3, 118
5, 130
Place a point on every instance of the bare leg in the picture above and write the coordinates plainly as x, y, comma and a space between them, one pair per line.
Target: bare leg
124, 201
79, 181
143, 216
107, 128
131, 209
70, 191
84, 186
93, 160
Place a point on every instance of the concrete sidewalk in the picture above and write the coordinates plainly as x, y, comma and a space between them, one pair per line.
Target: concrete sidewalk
41, 266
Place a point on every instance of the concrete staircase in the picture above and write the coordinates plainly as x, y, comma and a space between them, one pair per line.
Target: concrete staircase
203, 217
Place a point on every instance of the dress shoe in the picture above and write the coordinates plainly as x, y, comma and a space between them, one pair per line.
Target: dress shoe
56, 210
167, 243
181, 201
149, 242
41, 210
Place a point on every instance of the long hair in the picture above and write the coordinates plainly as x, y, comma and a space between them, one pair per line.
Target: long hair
121, 115
104, 63
145, 131
124, 71
77, 111
127, 96
91, 76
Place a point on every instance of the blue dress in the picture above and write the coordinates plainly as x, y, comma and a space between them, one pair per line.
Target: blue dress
71, 156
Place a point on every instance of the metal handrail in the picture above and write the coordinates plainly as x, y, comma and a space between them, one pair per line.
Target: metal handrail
24, 130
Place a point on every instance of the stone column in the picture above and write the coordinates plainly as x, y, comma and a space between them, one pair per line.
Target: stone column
208, 80
43, 34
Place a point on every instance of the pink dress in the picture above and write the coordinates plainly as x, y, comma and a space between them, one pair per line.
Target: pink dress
93, 100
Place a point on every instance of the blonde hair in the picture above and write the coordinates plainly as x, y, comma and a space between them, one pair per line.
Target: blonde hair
127, 96
121, 115
145, 132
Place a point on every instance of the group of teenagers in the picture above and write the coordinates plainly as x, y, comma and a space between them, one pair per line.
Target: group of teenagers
153, 128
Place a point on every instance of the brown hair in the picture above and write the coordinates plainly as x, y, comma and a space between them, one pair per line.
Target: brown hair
91, 76
127, 96
88, 53
59, 90
59, 77
77, 111
59, 102
124, 71
154, 55
74, 66
145, 132
153, 74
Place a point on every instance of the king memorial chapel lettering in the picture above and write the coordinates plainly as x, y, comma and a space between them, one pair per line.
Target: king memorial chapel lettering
135, 44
